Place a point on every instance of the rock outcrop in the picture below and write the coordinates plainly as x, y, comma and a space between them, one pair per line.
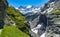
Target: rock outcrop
3, 11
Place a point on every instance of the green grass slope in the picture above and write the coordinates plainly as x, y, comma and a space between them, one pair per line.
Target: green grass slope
16, 16
11, 31
19, 19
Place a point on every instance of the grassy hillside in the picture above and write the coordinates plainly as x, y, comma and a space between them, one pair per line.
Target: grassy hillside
19, 19
11, 31
20, 30
16, 16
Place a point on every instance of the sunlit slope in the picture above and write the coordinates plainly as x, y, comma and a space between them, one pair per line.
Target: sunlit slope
11, 31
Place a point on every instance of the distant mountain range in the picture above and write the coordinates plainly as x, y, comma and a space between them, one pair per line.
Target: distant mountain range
29, 9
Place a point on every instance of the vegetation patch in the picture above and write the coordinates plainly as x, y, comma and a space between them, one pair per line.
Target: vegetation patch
18, 18
11, 31
56, 11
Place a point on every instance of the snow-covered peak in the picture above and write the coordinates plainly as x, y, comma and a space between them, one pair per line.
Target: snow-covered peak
29, 6
16, 8
28, 9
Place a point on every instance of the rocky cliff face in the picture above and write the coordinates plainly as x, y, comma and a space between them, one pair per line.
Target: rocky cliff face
38, 25
3, 11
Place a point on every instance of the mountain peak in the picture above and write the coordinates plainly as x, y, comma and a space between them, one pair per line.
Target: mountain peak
29, 6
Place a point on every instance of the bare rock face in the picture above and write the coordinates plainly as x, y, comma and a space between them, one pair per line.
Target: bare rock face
46, 25
3, 10
53, 26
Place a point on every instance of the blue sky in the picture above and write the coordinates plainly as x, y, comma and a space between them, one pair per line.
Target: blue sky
17, 3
